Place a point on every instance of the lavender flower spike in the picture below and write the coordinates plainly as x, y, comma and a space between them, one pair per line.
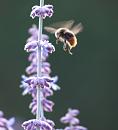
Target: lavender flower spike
72, 120
6, 124
38, 82
44, 11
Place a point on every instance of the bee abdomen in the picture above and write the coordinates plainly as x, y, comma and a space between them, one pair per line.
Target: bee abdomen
72, 41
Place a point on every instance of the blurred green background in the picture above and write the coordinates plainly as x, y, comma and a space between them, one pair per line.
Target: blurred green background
88, 79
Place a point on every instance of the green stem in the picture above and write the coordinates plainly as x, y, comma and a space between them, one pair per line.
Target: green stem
40, 112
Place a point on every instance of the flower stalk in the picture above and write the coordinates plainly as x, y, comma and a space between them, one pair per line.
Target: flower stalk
40, 113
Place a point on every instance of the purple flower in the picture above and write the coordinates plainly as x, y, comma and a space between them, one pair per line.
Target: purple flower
72, 120
31, 46
33, 106
33, 124
33, 68
50, 122
1, 114
46, 68
26, 87
32, 57
39, 81
69, 117
44, 11
54, 86
47, 47
33, 31
6, 124
28, 90
73, 112
47, 92
47, 105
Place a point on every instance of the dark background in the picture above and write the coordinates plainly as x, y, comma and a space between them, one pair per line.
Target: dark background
88, 79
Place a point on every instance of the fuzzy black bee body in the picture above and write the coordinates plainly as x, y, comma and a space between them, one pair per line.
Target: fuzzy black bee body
66, 34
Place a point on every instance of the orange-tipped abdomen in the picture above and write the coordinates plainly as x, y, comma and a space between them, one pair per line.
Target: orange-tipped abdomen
72, 41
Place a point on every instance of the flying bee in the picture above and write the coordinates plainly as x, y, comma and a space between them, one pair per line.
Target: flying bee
66, 33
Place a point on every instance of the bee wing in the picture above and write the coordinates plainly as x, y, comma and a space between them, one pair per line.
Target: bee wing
50, 29
63, 24
77, 28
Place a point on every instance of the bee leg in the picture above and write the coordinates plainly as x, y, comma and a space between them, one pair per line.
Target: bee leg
69, 50
65, 47
57, 41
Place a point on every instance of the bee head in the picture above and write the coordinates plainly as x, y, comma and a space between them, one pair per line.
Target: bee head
60, 32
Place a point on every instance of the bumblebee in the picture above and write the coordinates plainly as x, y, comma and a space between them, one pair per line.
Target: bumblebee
66, 33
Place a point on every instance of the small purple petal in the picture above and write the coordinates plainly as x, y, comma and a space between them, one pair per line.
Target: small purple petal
1, 114
32, 69
69, 119
74, 121
73, 112
31, 46
47, 105
11, 121
47, 92
47, 47
32, 56
50, 122
54, 86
